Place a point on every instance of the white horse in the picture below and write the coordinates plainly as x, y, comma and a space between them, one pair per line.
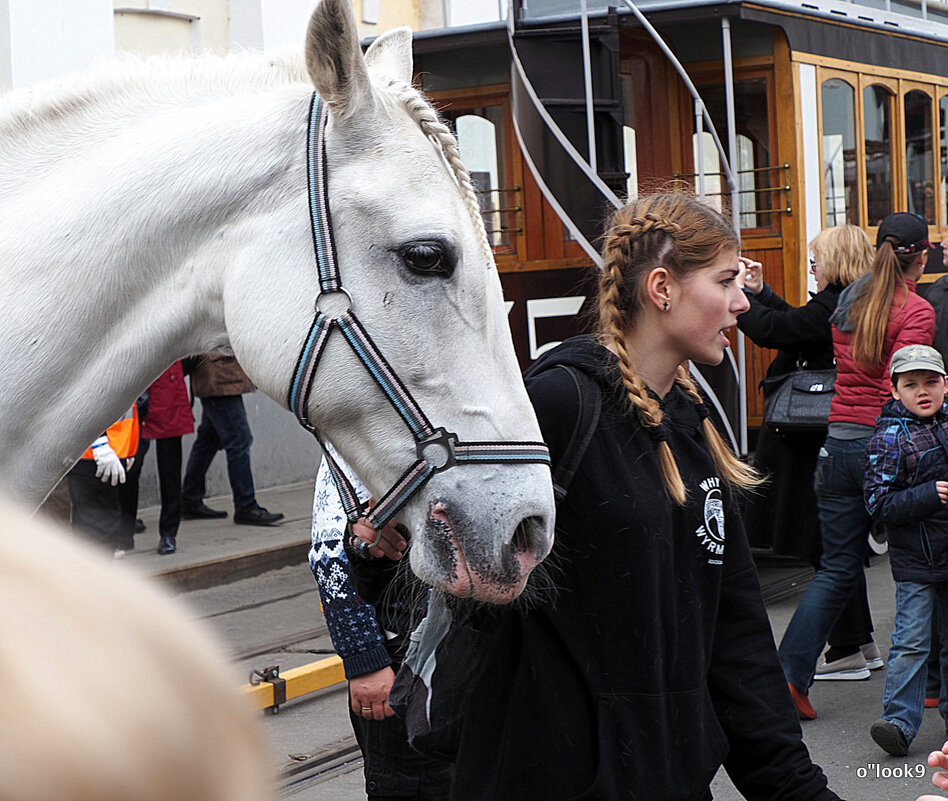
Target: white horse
156, 209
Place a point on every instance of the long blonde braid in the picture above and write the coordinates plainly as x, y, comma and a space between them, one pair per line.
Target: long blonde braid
729, 467
682, 234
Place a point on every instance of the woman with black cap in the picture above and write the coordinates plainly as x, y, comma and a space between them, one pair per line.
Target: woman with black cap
875, 316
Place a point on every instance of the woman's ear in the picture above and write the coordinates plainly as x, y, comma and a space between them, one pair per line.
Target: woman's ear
658, 289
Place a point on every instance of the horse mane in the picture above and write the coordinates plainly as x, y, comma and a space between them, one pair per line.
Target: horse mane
131, 86
426, 117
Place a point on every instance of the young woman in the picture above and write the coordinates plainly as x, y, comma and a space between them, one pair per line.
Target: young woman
875, 316
784, 516
653, 662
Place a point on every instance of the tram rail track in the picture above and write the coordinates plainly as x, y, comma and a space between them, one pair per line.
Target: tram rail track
322, 766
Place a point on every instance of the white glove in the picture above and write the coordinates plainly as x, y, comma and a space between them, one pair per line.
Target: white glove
108, 467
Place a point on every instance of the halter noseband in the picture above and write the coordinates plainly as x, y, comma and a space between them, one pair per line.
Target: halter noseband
435, 448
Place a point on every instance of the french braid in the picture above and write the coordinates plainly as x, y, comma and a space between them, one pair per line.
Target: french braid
680, 233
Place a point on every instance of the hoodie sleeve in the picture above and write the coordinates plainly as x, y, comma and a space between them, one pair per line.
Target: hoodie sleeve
883, 499
767, 758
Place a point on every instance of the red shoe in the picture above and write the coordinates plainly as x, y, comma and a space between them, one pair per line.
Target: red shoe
931, 702
804, 708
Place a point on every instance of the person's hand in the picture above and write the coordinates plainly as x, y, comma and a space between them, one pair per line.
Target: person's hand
753, 275
391, 544
108, 467
941, 487
368, 694
938, 759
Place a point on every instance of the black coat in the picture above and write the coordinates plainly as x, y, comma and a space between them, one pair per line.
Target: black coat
654, 663
783, 514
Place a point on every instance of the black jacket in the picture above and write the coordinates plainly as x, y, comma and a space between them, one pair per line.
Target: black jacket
654, 662
800, 333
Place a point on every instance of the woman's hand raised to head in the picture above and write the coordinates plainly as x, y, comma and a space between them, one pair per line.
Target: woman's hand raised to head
753, 275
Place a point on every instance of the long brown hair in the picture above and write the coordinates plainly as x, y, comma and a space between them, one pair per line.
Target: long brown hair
678, 232
871, 309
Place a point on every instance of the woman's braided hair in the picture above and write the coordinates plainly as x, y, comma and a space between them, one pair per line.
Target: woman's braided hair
682, 234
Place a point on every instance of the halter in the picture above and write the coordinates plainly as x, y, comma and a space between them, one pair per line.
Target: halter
436, 449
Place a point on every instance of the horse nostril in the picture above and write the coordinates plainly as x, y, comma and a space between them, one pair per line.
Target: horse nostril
528, 534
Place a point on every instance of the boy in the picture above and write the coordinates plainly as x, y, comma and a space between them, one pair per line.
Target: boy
906, 487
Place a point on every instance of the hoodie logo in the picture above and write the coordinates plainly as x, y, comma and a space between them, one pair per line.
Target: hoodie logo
711, 532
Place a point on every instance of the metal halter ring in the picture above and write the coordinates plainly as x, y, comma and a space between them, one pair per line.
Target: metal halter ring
330, 293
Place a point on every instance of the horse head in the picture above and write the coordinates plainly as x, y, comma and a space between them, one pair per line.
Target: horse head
413, 255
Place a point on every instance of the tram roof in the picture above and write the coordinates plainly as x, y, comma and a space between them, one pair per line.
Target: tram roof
898, 37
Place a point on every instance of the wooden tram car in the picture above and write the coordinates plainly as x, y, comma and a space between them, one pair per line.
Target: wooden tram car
840, 112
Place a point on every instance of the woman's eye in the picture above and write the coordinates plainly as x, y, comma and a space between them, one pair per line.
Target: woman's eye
427, 258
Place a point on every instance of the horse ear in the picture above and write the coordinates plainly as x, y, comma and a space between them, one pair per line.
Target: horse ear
390, 54
334, 58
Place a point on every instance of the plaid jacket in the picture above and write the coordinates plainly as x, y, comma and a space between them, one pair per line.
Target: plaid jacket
905, 457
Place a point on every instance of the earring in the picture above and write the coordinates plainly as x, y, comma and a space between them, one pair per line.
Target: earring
665, 306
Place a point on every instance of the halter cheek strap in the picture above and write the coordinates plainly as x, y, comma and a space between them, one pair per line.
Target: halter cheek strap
436, 449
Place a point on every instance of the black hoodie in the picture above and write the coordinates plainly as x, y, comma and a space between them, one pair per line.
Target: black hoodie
654, 663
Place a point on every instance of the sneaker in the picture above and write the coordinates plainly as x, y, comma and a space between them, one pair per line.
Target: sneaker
139, 525
200, 511
257, 516
878, 539
850, 668
889, 737
874, 659
804, 708
118, 553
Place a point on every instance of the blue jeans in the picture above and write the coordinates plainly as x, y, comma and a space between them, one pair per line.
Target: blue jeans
844, 523
223, 425
903, 699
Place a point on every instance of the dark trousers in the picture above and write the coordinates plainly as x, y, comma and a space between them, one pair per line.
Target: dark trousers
100, 511
223, 425
853, 627
393, 770
168, 455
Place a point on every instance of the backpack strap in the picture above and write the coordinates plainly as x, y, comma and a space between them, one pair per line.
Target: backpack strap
590, 404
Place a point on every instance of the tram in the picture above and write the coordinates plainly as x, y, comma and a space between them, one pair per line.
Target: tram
830, 112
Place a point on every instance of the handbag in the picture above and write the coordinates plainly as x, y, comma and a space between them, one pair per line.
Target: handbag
799, 401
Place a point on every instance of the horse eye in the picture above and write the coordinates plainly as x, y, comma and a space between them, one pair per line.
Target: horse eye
428, 258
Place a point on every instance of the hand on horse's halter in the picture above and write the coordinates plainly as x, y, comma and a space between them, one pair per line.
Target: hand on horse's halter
391, 544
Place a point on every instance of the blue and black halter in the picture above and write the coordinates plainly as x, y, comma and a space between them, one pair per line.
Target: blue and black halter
435, 448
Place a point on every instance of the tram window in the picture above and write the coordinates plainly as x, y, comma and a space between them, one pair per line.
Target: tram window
755, 177
943, 138
919, 155
877, 118
840, 182
480, 140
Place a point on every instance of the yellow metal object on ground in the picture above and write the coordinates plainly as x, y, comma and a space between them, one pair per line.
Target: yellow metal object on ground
299, 681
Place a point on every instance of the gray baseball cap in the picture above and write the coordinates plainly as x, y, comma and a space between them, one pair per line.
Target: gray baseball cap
916, 357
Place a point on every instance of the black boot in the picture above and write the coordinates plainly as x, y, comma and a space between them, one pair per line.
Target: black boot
166, 545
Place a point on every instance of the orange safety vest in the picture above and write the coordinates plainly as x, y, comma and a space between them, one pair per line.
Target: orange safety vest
123, 435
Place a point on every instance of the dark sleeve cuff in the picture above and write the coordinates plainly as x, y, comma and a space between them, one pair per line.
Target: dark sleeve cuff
369, 661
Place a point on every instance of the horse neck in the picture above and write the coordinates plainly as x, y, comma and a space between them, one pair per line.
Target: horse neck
133, 240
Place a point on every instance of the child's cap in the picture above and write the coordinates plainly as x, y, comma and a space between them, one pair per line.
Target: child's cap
916, 357
906, 232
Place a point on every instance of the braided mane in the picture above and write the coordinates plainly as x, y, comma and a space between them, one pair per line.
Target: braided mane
426, 117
